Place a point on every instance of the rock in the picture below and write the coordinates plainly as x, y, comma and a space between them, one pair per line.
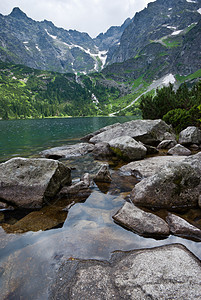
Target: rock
151, 150
68, 151
149, 166
179, 150
127, 148
194, 147
86, 179
26, 183
141, 222
167, 144
1, 217
47, 218
168, 272
176, 185
190, 135
103, 175
102, 151
78, 191
87, 137
149, 132
5, 206
180, 227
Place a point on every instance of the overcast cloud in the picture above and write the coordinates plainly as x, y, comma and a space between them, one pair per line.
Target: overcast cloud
91, 16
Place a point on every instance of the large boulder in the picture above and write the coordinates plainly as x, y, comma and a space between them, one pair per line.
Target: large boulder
149, 132
141, 222
102, 151
127, 148
179, 226
176, 185
26, 183
190, 135
87, 137
168, 272
68, 151
148, 166
179, 150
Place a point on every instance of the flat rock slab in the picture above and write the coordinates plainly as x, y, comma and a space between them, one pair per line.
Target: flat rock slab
179, 226
169, 272
27, 182
68, 151
146, 131
141, 222
149, 166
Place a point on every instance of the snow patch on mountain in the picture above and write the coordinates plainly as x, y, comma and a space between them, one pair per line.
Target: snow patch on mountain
168, 79
38, 48
199, 10
191, 1
177, 32
54, 37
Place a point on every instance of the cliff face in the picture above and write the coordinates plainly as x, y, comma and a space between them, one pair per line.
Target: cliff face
160, 19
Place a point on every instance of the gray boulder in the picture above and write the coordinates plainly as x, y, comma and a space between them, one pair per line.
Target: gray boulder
167, 144
181, 227
127, 148
68, 151
103, 175
179, 150
141, 222
87, 137
102, 151
77, 192
149, 166
168, 272
190, 135
26, 183
149, 132
177, 185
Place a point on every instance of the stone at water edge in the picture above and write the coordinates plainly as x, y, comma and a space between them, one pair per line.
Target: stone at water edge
177, 185
127, 148
102, 151
149, 132
168, 272
68, 151
179, 150
181, 227
190, 135
149, 166
103, 175
141, 222
27, 182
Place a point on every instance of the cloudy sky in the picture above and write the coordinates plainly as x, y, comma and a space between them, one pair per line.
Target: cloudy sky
91, 16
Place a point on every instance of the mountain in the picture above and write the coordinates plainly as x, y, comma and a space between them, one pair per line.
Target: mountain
44, 46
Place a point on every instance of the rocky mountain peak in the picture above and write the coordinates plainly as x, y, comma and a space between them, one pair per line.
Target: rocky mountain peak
18, 13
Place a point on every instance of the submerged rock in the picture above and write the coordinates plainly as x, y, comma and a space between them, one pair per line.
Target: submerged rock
103, 175
190, 135
180, 227
68, 151
149, 132
179, 150
27, 182
141, 222
168, 272
127, 148
177, 185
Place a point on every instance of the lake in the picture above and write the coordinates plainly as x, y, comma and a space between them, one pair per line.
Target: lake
34, 245
29, 137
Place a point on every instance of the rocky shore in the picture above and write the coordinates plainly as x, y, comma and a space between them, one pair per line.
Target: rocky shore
162, 174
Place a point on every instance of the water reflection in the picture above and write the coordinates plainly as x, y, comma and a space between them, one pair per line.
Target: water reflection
29, 261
